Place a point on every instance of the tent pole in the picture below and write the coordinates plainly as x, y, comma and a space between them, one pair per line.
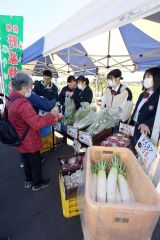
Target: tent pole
108, 52
68, 63
96, 86
119, 63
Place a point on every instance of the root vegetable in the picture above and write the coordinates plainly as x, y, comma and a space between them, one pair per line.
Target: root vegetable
123, 185
118, 194
101, 182
94, 182
112, 180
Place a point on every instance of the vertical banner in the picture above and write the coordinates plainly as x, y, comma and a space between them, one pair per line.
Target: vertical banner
11, 35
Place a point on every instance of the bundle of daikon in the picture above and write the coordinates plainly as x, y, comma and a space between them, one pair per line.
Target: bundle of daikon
110, 184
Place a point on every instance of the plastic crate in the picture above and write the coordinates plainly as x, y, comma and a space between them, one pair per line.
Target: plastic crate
45, 131
69, 207
125, 221
48, 143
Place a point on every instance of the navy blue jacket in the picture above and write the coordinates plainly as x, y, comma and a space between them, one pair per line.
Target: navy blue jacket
147, 112
40, 103
50, 92
85, 95
62, 96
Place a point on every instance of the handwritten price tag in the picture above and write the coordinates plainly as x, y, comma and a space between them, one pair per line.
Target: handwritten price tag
126, 129
73, 132
58, 126
76, 145
146, 150
85, 138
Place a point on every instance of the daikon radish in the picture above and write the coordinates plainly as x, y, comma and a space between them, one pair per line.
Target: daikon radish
123, 185
101, 182
112, 180
106, 184
94, 182
118, 194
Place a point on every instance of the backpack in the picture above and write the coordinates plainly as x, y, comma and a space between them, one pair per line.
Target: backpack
8, 134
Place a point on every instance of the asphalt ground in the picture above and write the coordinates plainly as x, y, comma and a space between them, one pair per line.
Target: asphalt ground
28, 215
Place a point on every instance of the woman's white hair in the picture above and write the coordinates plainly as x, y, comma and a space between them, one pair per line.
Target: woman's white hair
21, 79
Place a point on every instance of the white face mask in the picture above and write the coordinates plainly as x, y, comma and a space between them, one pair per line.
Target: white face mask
111, 83
28, 94
148, 82
79, 86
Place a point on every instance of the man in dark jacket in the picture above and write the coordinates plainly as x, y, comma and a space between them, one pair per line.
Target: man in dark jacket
46, 88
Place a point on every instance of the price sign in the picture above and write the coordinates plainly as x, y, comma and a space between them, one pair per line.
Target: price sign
146, 150
58, 126
73, 132
126, 129
76, 145
85, 138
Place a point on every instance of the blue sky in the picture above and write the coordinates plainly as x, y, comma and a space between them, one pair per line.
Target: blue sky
40, 16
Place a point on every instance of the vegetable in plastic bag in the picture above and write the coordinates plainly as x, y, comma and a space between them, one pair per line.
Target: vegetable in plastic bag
70, 107
86, 121
103, 121
82, 111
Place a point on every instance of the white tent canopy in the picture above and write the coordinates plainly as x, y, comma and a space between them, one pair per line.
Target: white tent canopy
95, 18
90, 29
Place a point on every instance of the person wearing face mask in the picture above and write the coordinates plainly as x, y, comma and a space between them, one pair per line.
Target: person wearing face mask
117, 97
68, 91
85, 93
25, 120
145, 110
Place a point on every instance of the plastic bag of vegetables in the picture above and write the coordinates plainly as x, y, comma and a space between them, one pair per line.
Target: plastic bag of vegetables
70, 107
103, 121
86, 121
82, 111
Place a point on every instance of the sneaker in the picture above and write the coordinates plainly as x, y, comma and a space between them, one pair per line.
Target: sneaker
28, 184
21, 165
44, 184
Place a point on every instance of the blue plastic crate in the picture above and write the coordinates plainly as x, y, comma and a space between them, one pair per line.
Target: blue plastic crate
46, 131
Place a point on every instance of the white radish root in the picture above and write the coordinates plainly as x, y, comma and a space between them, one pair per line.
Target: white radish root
124, 189
111, 185
118, 194
101, 186
112, 180
94, 186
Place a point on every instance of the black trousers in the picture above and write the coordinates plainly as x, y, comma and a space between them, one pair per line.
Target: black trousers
32, 167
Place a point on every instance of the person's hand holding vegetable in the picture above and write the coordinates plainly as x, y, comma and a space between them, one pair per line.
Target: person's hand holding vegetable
58, 116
